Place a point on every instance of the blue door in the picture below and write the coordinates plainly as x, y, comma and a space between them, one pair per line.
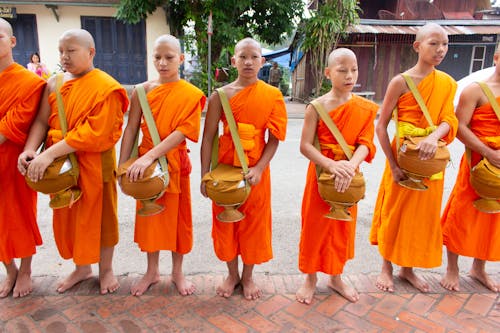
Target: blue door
25, 30
120, 48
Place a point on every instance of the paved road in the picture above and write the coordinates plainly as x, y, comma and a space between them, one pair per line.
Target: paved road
288, 176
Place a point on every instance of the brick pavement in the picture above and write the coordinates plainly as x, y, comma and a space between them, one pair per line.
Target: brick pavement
82, 309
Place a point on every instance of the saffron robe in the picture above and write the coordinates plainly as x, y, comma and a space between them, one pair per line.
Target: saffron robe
467, 231
262, 106
326, 244
20, 93
406, 223
94, 105
175, 106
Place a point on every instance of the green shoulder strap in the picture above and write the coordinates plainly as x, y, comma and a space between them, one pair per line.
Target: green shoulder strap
62, 119
332, 127
234, 132
150, 122
418, 98
494, 105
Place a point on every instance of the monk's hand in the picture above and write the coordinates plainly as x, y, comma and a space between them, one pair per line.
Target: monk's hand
24, 159
203, 189
398, 174
342, 171
254, 175
493, 156
38, 165
427, 148
137, 169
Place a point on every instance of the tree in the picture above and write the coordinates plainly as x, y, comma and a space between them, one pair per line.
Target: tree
267, 20
322, 31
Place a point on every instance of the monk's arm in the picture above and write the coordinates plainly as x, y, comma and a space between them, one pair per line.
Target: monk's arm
394, 90
210, 129
255, 172
469, 100
130, 133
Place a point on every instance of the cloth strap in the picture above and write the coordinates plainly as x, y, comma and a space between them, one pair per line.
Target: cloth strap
234, 134
150, 122
420, 101
62, 116
494, 105
332, 127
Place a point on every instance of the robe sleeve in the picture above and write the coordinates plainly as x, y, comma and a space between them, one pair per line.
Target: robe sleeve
278, 119
190, 124
366, 135
447, 113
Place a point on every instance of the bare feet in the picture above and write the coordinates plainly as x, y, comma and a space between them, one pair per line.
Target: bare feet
184, 287
485, 279
385, 281
24, 285
343, 289
144, 283
305, 293
250, 289
80, 274
450, 280
226, 289
406, 273
108, 281
8, 284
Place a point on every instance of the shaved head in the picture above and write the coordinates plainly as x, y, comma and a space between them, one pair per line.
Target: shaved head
6, 27
82, 37
428, 29
168, 39
338, 53
247, 42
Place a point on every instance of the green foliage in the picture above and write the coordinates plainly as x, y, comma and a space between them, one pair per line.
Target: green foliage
323, 30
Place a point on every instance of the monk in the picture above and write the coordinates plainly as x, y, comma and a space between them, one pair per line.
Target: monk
406, 223
259, 105
20, 92
466, 230
94, 105
326, 244
176, 106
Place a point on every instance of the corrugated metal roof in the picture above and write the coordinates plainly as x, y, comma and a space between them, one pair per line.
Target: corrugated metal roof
412, 29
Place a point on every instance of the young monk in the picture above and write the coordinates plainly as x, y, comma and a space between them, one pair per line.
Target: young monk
94, 105
176, 106
256, 103
20, 92
326, 244
466, 230
406, 222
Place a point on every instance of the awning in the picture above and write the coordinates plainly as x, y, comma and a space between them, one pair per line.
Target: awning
412, 29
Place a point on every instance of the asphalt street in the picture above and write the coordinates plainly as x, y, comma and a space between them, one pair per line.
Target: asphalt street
288, 169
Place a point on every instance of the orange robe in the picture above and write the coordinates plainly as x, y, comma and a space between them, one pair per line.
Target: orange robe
262, 106
406, 223
175, 106
326, 244
20, 92
467, 231
94, 106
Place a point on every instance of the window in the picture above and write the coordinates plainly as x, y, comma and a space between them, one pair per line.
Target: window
477, 61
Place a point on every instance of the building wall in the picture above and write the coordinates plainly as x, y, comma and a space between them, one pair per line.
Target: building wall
49, 29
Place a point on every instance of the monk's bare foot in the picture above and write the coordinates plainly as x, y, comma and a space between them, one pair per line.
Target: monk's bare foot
406, 273
484, 278
184, 287
147, 280
226, 289
305, 293
24, 285
385, 281
343, 289
450, 280
250, 289
81, 273
8, 284
108, 281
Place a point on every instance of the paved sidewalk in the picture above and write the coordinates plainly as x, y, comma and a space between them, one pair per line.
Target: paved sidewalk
82, 309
